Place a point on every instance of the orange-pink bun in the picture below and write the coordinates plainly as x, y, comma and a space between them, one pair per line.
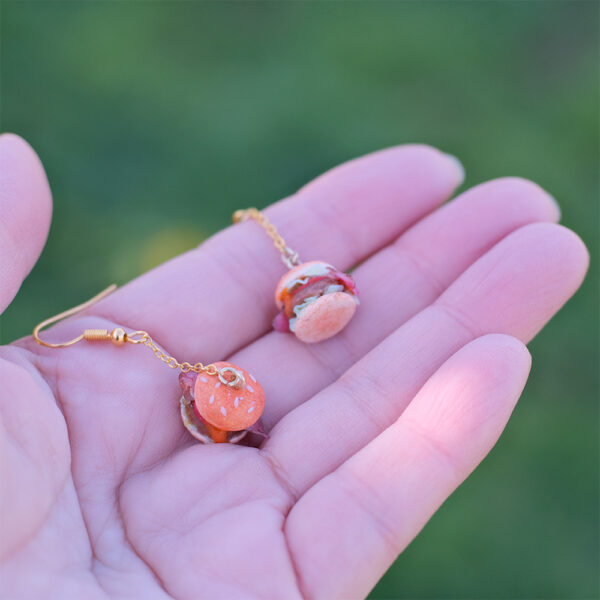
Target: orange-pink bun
225, 407
297, 273
325, 317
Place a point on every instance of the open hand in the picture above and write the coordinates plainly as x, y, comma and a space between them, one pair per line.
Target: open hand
105, 494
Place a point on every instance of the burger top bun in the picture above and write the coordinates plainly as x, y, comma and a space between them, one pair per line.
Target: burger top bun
229, 408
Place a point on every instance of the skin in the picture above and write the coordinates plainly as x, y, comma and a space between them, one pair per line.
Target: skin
105, 495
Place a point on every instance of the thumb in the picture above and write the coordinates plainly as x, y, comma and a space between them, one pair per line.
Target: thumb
25, 212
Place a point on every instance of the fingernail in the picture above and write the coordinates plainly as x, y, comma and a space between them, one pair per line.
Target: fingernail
458, 166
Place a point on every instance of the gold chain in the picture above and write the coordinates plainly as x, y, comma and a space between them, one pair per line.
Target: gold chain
288, 256
141, 337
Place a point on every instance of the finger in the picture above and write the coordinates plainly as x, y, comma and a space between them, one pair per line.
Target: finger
25, 211
395, 284
223, 291
476, 219
514, 289
357, 520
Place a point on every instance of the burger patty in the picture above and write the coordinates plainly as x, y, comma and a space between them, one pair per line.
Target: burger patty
314, 287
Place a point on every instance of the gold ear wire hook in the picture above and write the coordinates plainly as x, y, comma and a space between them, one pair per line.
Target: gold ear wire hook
118, 336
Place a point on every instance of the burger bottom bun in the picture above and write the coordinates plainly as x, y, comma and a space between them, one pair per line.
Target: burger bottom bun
325, 317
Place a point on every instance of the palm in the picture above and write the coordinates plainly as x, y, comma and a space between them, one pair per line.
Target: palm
369, 432
221, 501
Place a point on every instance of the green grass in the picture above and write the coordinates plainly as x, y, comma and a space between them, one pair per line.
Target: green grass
146, 114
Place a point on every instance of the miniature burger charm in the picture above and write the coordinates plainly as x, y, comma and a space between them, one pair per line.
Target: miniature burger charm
315, 300
223, 408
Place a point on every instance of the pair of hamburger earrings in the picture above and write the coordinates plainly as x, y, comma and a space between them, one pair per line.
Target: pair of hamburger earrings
221, 402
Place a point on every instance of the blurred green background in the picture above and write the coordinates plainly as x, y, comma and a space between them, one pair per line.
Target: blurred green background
155, 120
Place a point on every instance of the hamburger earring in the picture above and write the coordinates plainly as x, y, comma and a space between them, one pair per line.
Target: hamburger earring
314, 299
219, 403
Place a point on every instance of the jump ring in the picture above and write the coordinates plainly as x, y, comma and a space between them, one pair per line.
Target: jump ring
238, 380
